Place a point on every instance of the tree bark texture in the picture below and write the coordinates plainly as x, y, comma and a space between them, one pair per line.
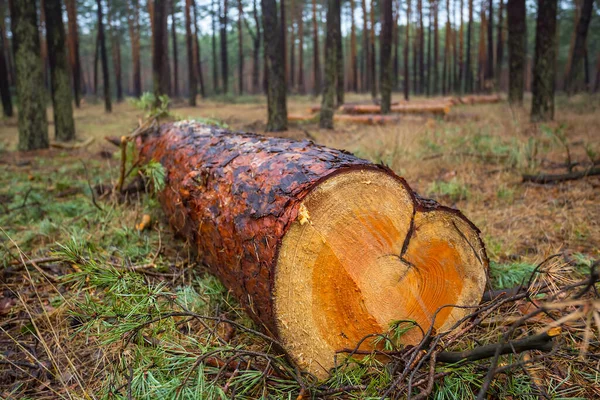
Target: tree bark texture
198, 63
240, 48
104, 58
115, 40
160, 59
500, 44
386, 56
275, 68
240, 198
575, 77
174, 49
7, 106
33, 125
468, 62
215, 60
353, 57
515, 14
133, 22
489, 71
329, 87
373, 66
189, 41
224, 55
74, 58
436, 48
316, 61
62, 99
406, 53
300, 82
366, 52
339, 61
544, 67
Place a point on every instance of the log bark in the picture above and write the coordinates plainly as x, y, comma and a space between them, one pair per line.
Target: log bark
320, 247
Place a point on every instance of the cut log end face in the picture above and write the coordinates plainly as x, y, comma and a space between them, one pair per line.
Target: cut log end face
361, 255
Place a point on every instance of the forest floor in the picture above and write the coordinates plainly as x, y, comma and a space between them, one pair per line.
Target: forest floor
88, 301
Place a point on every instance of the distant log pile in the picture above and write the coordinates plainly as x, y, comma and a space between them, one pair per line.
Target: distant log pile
370, 110
322, 248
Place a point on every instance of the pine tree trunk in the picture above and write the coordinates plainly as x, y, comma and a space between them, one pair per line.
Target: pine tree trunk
292, 69
133, 19
386, 55
597, 83
373, 66
499, 44
301, 86
396, 47
339, 53
576, 13
116, 52
74, 58
62, 98
275, 68
224, 55
175, 55
33, 125
421, 49
196, 51
320, 247
445, 66
489, 74
469, 66
256, 52
516, 21
574, 81
316, 62
481, 70
103, 59
544, 66
215, 67
406, 53
240, 48
160, 59
415, 58
436, 49
7, 106
189, 41
283, 26
96, 60
429, 68
330, 84
44, 46
461, 53
366, 51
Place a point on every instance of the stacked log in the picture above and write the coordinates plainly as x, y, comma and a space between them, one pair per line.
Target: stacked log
321, 248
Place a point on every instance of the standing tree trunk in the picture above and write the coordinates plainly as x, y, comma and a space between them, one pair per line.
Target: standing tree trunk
573, 82
275, 68
329, 89
373, 66
224, 56
421, 48
62, 99
436, 48
215, 67
339, 53
406, 53
468, 66
240, 48
292, 69
283, 25
446, 51
316, 62
175, 56
544, 65
301, 87
429, 68
96, 59
489, 72
74, 58
366, 53
396, 46
116, 51
104, 58
482, 56
196, 51
256, 50
353, 59
386, 56
499, 44
160, 59
33, 125
326, 248
189, 41
7, 106
133, 21
597, 83
461, 52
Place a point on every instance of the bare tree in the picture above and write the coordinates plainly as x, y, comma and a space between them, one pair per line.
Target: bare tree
275, 68
544, 65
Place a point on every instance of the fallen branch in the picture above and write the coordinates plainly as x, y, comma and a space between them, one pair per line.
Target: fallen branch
72, 145
555, 178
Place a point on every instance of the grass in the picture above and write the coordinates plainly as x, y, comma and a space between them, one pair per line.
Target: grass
128, 313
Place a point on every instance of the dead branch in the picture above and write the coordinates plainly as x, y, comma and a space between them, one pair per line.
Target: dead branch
555, 178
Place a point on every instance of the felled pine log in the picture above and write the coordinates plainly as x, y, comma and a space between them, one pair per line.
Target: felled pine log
480, 99
322, 248
406, 108
367, 119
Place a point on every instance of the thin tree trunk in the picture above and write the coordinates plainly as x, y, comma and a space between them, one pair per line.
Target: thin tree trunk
10, 65
468, 62
174, 45
499, 44
366, 52
240, 48
353, 59
133, 21
453, 37
7, 106
292, 68
33, 125
215, 59
283, 26
597, 83
44, 45
406, 53
436, 49
301, 86
329, 88
544, 67
96, 59
339, 53
396, 46
316, 62
196, 51
516, 20
74, 58
386, 56
103, 59
373, 66
489, 74
160, 60
256, 54
446, 51
574, 80
224, 56
576, 13
461, 52
428, 68
275, 68
64, 126
189, 41
116, 51
421, 49
415, 58
482, 55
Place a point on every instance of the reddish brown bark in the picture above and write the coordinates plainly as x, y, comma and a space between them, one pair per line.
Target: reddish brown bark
133, 22
73, 43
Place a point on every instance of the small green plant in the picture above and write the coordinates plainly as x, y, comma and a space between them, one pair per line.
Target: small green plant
156, 174
559, 136
453, 189
154, 109
505, 193
509, 275
209, 121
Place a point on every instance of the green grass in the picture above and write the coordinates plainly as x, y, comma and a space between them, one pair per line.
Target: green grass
453, 189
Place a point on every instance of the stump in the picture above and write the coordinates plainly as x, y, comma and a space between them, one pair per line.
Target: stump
322, 248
